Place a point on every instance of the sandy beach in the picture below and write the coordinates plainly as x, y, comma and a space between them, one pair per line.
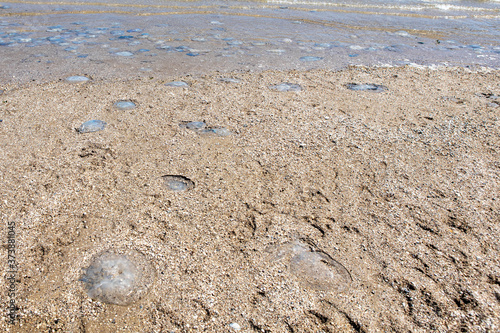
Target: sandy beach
399, 187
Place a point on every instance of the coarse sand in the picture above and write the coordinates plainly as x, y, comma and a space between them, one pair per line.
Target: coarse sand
395, 194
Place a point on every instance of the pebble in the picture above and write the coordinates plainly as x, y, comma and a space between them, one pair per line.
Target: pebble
178, 183
235, 326
125, 105
286, 86
116, 278
177, 84
366, 87
77, 79
92, 126
310, 58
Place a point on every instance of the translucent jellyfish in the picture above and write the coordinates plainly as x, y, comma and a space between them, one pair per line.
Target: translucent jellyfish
177, 84
310, 58
314, 269
286, 86
366, 87
219, 131
178, 183
124, 54
77, 79
92, 126
118, 278
124, 105
193, 125
229, 80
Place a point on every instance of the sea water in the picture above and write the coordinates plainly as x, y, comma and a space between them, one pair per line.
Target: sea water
47, 40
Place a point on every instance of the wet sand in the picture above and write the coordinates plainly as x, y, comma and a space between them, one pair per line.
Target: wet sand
400, 187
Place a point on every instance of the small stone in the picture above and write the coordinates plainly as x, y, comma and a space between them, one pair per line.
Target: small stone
125, 105
177, 84
286, 86
77, 79
92, 126
235, 326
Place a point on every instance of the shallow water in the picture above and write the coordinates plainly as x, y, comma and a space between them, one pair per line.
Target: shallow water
123, 39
